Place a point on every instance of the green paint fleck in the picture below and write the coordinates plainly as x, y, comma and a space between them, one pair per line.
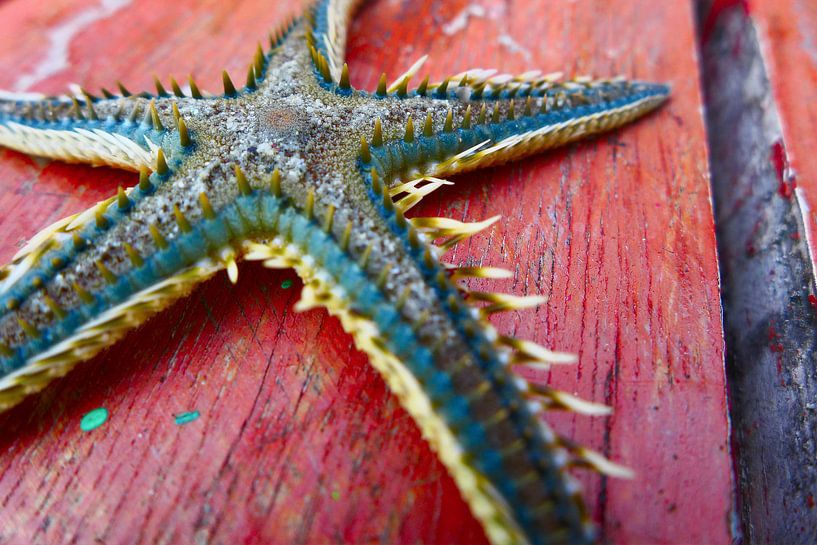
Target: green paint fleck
286, 284
93, 419
335, 495
186, 418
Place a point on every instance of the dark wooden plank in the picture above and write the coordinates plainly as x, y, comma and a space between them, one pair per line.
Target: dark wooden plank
758, 132
298, 439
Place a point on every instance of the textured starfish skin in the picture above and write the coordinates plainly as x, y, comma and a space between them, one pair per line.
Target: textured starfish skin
300, 170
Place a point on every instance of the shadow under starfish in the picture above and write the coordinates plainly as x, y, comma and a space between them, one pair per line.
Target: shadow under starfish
300, 170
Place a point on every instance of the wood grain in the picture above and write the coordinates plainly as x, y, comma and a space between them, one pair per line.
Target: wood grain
299, 440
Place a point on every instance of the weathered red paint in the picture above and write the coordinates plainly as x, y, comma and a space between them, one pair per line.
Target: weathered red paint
785, 176
299, 441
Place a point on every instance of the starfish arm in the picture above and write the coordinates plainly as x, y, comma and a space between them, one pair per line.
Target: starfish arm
124, 132
85, 281
442, 129
474, 119
509, 466
430, 339
330, 21
529, 114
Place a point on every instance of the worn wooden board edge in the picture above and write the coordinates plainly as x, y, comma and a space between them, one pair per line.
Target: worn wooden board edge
786, 32
768, 284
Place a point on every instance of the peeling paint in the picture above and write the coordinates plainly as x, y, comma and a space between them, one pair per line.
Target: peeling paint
513, 46
461, 20
56, 58
805, 213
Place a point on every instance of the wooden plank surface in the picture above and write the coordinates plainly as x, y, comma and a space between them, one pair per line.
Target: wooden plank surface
298, 439
760, 73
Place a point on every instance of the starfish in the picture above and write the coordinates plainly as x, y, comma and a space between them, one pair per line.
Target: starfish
299, 170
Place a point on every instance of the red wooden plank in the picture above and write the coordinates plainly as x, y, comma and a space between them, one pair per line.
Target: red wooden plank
299, 441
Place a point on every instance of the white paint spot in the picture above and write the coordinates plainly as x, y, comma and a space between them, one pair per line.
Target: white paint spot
805, 213
8, 95
56, 58
461, 20
513, 46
